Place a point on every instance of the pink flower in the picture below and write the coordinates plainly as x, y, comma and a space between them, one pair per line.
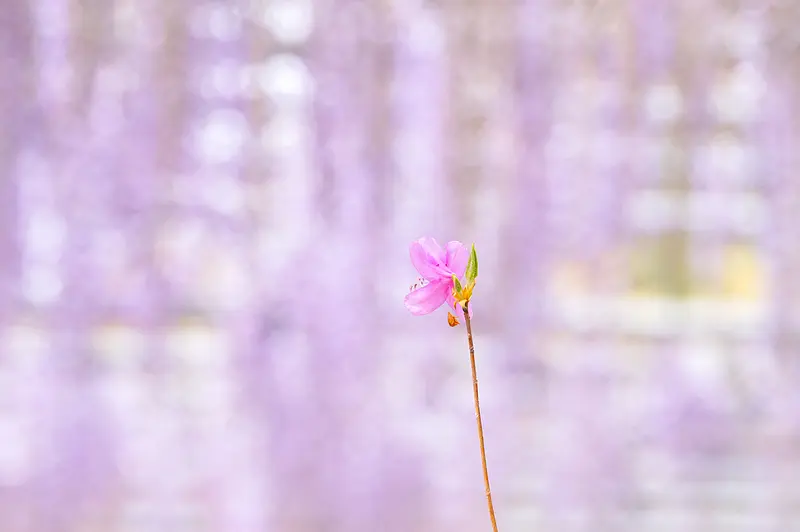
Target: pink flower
436, 267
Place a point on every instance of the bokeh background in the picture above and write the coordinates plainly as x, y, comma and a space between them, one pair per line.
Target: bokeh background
205, 212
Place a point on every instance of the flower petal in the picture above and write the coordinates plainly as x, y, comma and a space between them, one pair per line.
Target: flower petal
432, 247
429, 259
456, 258
428, 298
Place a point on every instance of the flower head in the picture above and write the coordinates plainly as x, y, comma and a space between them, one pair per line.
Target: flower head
439, 270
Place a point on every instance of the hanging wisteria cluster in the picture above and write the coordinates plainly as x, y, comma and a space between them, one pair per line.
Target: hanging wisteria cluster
205, 211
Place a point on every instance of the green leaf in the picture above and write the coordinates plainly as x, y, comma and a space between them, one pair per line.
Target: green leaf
457, 284
472, 265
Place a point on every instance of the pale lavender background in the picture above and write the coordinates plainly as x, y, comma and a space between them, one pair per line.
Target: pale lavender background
205, 209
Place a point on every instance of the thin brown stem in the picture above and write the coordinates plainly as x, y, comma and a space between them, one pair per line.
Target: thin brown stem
478, 417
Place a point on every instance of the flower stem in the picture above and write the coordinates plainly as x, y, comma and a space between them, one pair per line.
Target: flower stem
478, 417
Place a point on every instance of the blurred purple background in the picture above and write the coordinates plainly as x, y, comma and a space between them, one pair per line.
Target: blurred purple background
205, 212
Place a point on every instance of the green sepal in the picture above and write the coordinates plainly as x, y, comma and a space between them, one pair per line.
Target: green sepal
457, 284
472, 265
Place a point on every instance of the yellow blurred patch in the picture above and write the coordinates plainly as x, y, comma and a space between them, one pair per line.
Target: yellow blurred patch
742, 275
